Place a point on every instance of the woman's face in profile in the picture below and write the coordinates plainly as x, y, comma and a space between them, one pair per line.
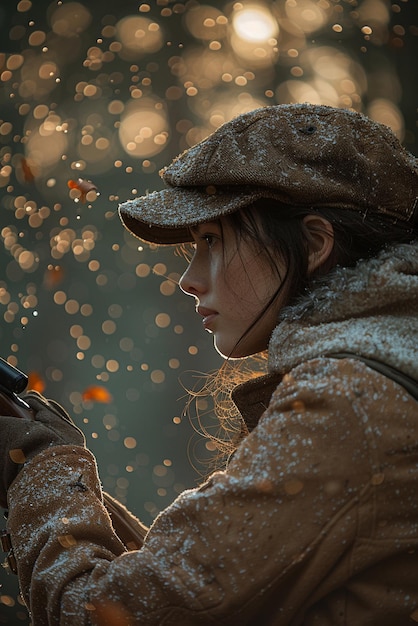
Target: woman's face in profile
232, 282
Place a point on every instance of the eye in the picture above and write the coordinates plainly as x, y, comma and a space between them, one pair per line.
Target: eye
209, 239
206, 235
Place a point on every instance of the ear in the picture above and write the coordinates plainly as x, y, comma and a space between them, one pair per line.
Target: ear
320, 238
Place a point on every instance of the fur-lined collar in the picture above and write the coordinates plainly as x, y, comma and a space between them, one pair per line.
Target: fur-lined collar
370, 309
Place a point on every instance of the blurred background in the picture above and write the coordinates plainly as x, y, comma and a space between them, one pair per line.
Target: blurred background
95, 98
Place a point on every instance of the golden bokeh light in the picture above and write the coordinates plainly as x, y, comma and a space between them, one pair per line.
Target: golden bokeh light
206, 22
46, 145
386, 112
143, 130
138, 36
254, 23
308, 15
325, 77
70, 19
254, 33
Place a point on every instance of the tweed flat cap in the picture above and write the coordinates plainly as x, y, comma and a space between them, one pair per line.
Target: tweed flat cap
299, 154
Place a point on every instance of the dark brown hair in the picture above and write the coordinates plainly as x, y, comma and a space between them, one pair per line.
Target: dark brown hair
279, 232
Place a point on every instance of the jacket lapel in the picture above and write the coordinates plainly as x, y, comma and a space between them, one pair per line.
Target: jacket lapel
253, 397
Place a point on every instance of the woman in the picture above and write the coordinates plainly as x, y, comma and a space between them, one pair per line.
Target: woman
303, 228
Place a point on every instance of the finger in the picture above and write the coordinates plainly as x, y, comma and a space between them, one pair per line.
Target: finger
42, 406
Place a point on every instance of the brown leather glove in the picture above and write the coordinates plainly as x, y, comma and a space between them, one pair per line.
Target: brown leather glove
23, 438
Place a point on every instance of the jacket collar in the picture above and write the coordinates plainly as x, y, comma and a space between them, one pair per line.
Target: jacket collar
368, 311
253, 397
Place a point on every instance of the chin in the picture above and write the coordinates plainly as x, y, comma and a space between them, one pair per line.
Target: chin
235, 352
224, 350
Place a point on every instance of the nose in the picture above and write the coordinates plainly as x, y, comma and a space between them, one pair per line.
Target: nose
192, 281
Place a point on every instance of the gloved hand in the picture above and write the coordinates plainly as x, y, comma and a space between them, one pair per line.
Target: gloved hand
21, 439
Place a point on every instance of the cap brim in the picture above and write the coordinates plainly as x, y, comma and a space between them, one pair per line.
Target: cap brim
165, 217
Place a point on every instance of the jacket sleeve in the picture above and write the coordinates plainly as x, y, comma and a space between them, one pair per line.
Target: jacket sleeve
281, 516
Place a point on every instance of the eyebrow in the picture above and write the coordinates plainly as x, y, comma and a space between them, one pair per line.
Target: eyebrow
197, 227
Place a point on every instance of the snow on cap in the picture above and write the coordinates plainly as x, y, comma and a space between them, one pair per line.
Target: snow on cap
298, 154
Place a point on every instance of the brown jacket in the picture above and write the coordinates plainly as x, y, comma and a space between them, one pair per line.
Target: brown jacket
315, 520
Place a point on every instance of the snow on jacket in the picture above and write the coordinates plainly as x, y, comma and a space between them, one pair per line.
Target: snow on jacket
315, 519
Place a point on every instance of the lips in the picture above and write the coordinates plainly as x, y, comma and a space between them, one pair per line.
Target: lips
208, 315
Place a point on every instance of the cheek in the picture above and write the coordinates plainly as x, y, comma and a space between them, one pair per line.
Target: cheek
236, 290
248, 282
243, 299
257, 285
